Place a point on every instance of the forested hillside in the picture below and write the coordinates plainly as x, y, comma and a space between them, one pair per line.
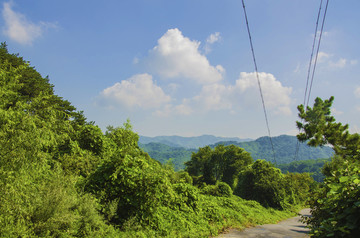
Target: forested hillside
284, 146
313, 167
188, 142
177, 156
61, 176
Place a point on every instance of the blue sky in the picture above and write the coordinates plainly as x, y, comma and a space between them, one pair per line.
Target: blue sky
184, 67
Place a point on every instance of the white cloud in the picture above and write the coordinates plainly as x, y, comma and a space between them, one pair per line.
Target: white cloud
341, 63
177, 56
328, 60
19, 28
245, 94
353, 62
276, 96
213, 38
322, 56
357, 92
183, 109
137, 91
214, 97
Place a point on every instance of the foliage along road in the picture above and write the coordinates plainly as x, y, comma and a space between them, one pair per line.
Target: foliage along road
290, 228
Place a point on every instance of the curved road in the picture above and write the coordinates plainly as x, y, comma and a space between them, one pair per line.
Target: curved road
289, 228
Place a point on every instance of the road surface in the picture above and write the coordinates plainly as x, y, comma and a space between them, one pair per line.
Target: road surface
290, 228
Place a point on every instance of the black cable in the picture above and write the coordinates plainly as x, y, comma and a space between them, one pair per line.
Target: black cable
310, 64
258, 80
312, 52
308, 73
317, 52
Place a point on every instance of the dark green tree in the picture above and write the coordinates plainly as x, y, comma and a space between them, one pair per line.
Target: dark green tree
37, 197
223, 163
320, 128
264, 183
336, 206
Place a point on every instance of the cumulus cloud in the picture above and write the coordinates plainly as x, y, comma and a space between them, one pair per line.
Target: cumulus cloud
276, 96
245, 93
182, 109
137, 91
177, 56
214, 97
19, 28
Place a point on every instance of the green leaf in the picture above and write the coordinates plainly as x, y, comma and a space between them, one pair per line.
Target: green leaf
357, 181
344, 179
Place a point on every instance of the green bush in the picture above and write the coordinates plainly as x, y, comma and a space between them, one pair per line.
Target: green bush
336, 206
220, 189
263, 183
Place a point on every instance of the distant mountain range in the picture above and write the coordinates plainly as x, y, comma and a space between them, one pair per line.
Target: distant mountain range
188, 142
179, 149
284, 147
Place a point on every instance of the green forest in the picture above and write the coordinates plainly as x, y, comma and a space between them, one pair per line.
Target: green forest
284, 147
62, 176
313, 166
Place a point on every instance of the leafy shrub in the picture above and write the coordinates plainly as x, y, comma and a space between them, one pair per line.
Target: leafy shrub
263, 183
220, 189
336, 206
188, 196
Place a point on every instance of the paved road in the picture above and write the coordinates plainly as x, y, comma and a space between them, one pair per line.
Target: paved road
289, 228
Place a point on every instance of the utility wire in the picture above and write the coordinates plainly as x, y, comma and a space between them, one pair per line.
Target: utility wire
258, 80
308, 88
312, 52
308, 73
317, 52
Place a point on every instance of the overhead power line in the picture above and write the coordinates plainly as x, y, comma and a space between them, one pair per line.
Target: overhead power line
317, 52
258, 80
311, 69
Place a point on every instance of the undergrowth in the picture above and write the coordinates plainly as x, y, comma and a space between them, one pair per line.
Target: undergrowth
214, 216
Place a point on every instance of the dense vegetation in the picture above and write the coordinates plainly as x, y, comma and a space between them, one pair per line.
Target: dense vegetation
336, 204
314, 167
259, 180
61, 176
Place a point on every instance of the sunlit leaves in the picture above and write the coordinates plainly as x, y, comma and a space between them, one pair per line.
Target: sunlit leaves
334, 207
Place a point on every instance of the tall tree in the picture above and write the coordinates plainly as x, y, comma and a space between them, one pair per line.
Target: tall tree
336, 206
223, 163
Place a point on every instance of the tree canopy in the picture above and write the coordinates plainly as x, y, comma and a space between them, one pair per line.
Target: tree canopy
336, 206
